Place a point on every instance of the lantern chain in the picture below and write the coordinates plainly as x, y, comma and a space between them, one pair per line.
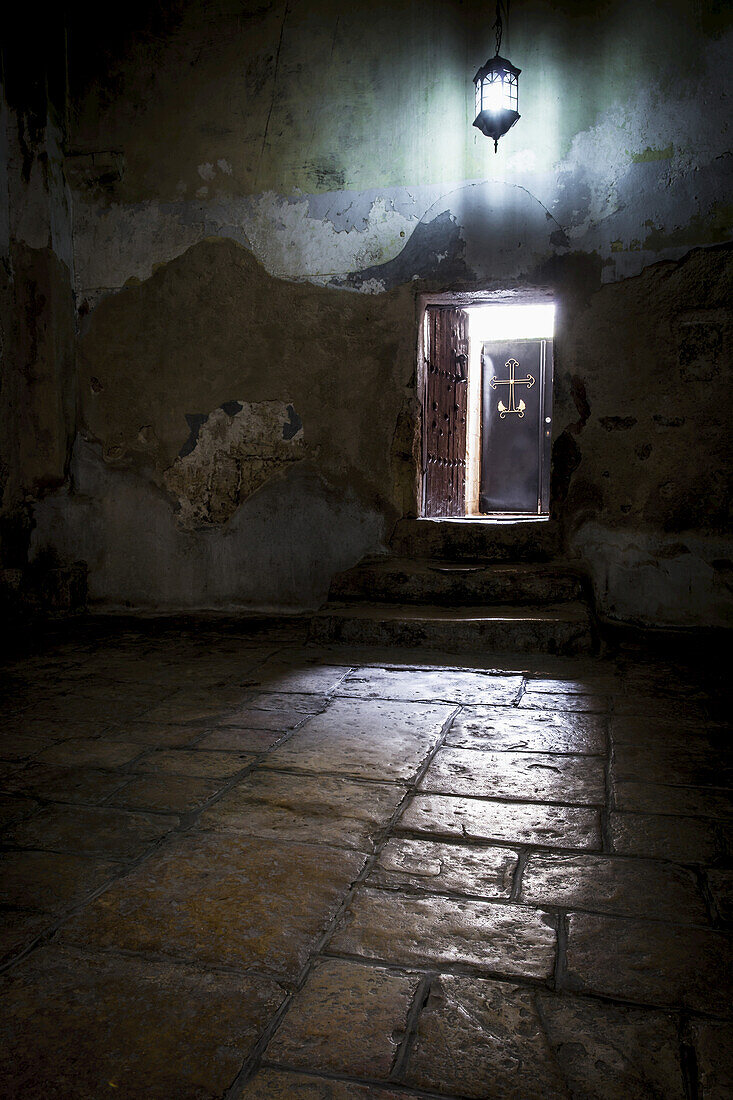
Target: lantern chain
498, 24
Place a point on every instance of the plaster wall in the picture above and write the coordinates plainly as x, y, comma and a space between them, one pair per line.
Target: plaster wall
259, 193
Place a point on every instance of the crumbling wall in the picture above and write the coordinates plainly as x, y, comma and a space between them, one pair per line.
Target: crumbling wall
261, 191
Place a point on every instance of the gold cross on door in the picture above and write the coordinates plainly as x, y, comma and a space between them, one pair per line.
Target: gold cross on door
512, 366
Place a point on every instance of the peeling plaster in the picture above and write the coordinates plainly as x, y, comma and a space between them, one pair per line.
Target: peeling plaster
229, 455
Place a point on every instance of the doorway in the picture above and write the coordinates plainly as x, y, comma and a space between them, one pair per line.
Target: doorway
486, 370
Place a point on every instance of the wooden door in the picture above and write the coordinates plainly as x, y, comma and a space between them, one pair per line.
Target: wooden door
444, 412
516, 426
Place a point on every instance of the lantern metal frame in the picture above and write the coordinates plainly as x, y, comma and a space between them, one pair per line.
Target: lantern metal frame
495, 118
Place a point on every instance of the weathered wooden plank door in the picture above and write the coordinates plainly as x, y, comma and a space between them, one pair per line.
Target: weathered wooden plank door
516, 427
444, 413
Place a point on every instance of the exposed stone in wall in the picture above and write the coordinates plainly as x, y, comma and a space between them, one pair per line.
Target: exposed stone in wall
237, 449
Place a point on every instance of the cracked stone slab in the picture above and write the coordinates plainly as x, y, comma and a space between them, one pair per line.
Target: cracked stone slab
539, 777
50, 881
81, 1025
427, 865
223, 899
195, 762
431, 685
514, 822
508, 730
105, 832
277, 1084
322, 809
347, 1019
613, 1053
373, 740
481, 1038
649, 962
400, 928
683, 839
615, 885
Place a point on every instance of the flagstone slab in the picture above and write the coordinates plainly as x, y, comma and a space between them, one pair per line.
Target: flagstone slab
696, 765
373, 739
19, 746
513, 822
160, 735
177, 794
283, 702
88, 1026
614, 884
18, 929
195, 762
682, 839
504, 729
431, 685
427, 865
56, 783
713, 1043
589, 684
13, 810
720, 885
650, 962
538, 777
50, 881
609, 1052
91, 752
348, 1018
321, 809
103, 831
277, 1084
661, 798
480, 1038
564, 701
296, 676
404, 929
223, 899
231, 739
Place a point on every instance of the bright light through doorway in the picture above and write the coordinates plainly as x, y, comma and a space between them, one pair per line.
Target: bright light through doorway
530, 321
502, 322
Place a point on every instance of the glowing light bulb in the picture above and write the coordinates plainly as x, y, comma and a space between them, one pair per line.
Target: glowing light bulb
494, 96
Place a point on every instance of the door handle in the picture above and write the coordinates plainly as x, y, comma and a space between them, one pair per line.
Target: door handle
461, 362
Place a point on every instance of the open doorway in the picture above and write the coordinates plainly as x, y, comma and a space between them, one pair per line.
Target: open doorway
485, 368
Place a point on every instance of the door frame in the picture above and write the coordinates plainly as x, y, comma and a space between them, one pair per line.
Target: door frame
537, 295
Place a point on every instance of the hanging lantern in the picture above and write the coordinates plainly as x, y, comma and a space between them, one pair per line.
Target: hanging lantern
497, 92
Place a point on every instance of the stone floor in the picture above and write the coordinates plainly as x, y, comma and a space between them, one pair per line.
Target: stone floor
237, 866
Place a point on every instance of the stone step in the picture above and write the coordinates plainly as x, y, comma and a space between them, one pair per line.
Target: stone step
501, 540
564, 629
459, 582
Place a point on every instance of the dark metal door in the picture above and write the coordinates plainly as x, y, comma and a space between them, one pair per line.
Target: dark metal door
444, 414
516, 426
